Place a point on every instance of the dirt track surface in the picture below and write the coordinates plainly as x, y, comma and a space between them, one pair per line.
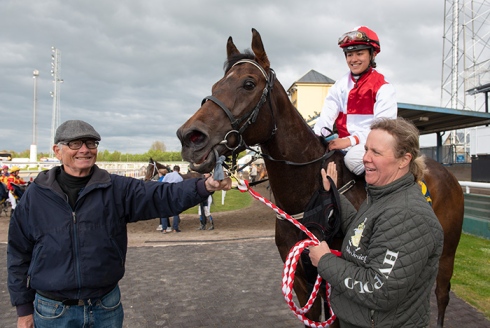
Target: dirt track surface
255, 221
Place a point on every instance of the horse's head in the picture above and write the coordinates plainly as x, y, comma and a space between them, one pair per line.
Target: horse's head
239, 100
151, 170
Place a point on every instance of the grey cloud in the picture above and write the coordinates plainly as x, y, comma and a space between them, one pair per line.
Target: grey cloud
138, 70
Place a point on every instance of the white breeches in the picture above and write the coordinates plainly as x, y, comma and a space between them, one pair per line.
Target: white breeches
207, 209
12, 200
353, 159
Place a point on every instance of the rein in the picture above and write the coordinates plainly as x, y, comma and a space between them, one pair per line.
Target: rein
291, 263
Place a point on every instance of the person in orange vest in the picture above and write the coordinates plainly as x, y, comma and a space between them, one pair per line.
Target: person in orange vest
16, 179
3, 184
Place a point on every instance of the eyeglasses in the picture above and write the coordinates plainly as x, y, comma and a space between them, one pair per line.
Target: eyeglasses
77, 144
353, 36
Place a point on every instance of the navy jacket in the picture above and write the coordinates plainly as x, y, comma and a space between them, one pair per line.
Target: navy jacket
77, 252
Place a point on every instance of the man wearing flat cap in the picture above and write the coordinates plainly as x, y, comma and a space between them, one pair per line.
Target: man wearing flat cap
67, 239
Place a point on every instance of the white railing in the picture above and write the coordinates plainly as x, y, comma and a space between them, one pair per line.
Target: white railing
471, 184
30, 170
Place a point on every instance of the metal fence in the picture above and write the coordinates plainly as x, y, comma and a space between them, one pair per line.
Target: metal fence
451, 154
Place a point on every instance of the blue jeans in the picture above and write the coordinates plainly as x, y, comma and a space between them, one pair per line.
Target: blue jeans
106, 312
165, 223
175, 223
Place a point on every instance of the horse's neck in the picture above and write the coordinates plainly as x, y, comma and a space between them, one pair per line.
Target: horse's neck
294, 141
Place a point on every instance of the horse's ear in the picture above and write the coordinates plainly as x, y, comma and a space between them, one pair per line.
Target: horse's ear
231, 49
151, 160
259, 51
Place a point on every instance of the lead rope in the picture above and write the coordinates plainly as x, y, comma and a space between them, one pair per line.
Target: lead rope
292, 262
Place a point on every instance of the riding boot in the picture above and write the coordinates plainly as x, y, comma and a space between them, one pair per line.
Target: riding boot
202, 221
211, 222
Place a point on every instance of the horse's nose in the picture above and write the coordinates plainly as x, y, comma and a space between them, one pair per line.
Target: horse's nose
191, 137
180, 135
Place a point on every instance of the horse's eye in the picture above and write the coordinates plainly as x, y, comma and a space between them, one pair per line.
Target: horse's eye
249, 85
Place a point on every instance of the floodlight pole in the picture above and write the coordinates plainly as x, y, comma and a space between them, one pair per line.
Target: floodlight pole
33, 151
55, 72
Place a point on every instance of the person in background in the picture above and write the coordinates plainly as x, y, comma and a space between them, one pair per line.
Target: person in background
67, 239
161, 175
392, 244
253, 173
359, 97
5, 171
13, 178
204, 212
4, 192
172, 177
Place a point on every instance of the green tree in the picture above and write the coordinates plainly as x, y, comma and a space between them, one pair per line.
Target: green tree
116, 156
159, 146
103, 156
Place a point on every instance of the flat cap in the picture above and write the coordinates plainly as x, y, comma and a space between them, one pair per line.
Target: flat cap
75, 129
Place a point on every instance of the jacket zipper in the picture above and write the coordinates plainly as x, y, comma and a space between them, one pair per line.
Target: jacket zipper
33, 264
372, 318
75, 246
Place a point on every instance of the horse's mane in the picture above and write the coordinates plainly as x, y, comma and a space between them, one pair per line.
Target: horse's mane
247, 54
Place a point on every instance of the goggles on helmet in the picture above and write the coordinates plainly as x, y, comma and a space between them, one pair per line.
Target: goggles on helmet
353, 36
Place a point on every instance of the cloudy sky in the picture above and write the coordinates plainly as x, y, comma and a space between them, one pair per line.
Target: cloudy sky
136, 70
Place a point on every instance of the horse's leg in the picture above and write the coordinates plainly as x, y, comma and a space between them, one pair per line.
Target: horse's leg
452, 233
448, 205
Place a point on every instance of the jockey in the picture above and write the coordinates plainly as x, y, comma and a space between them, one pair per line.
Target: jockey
13, 178
356, 99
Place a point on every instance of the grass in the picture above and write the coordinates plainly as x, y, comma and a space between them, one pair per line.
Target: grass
234, 200
471, 277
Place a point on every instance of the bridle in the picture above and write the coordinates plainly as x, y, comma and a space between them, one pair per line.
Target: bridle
239, 125
155, 170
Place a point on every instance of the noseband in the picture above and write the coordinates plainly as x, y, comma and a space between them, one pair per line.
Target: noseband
238, 127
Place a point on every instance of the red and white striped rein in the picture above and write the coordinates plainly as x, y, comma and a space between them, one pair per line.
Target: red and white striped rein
292, 262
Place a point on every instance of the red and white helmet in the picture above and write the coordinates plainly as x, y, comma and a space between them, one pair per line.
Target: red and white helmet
359, 38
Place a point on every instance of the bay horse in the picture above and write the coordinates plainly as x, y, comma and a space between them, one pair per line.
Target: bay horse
249, 106
153, 167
